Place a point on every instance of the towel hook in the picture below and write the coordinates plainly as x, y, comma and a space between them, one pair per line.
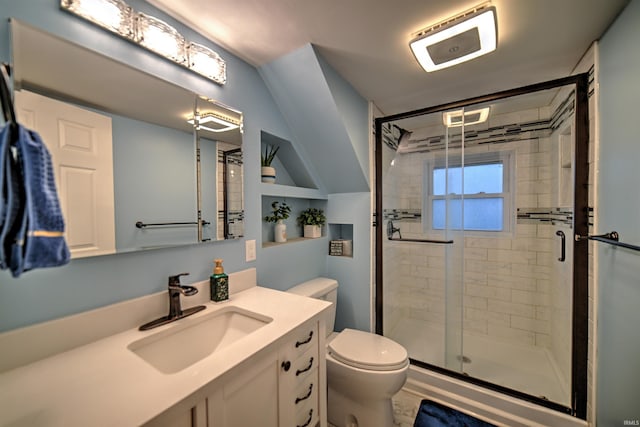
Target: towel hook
5, 95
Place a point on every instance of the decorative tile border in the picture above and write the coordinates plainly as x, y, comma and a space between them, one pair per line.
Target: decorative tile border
391, 134
524, 215
493, 135
545, 215
402, 214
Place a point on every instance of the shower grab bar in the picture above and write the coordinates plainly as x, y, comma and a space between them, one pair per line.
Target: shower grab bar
141, 224
443, 242
610, 238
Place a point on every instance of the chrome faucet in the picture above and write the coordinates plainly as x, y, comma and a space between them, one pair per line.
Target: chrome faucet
175, 308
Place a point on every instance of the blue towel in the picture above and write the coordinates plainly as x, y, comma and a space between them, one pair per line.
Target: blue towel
4, 147
433, 414
34, 222
12, 194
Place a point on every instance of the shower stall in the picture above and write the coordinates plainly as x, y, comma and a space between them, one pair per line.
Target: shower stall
478, 273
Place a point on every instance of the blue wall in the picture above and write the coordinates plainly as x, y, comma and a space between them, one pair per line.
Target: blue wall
618, 208
329, 120
94, 282
143, 154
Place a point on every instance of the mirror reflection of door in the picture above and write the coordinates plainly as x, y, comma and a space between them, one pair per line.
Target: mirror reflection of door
80, 143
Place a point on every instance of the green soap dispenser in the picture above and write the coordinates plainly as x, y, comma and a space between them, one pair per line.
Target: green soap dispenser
219, 283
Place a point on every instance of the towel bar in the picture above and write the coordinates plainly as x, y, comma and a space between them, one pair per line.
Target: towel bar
611, 238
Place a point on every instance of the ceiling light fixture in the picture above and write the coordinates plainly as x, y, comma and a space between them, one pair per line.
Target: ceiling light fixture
151, 33
207, 120
460, 117
458, 39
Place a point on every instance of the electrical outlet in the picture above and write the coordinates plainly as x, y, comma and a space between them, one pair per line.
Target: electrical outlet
250, 250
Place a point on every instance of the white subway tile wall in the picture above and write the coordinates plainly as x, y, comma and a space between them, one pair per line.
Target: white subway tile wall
515, 290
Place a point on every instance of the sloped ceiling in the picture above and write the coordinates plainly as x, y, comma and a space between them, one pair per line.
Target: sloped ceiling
326, 116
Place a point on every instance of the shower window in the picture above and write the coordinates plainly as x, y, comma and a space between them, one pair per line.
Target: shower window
477, 194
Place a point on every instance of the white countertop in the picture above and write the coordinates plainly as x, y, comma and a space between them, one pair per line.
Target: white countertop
104, 383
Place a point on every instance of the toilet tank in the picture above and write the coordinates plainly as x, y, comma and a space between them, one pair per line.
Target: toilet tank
321, 288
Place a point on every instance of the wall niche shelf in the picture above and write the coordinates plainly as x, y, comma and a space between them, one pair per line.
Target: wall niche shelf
291, 240
294, 231
277, 190
294, 186
290, 169
340, 233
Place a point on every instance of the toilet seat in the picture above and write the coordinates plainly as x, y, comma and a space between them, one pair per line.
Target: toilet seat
367, 351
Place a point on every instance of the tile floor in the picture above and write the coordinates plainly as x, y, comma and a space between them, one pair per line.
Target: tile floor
405, 408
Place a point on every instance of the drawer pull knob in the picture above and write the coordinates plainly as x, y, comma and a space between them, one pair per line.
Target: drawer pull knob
302, 371
309, 420
306, 396
299, 343
286, 365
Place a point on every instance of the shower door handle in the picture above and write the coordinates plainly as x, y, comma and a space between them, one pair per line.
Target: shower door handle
563, 241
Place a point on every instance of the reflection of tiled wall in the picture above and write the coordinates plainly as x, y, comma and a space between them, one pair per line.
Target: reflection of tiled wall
234, 193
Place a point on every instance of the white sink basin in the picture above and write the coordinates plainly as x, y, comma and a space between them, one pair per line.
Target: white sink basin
191, 339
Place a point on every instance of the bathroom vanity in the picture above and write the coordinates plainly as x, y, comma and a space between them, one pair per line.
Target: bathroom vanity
253, 360
278, 387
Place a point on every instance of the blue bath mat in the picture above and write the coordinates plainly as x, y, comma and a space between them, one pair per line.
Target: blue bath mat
432, 414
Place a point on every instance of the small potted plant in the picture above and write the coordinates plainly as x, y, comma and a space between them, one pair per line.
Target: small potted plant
280, 212
268, 172
312, 220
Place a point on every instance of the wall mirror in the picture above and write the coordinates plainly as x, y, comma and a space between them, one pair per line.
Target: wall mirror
140, 163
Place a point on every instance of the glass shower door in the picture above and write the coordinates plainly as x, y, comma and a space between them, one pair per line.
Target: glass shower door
478, 266
446, 193
423, 246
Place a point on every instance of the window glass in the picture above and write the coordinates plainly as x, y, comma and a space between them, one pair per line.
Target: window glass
482, 187
480, 214
482, 178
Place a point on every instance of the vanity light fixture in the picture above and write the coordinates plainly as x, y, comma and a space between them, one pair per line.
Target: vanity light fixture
160, 38
206, 62
460, 117
457, 39
213, 122
151, 33
113, 15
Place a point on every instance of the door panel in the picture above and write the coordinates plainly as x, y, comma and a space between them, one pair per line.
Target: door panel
80, 143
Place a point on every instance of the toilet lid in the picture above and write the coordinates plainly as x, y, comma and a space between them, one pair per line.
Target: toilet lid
368, 351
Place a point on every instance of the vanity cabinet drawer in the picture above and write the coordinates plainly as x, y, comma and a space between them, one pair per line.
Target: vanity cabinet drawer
305, 400
303, 339
299, 378
304, 365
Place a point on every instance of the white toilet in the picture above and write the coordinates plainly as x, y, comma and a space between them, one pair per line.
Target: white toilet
364, 370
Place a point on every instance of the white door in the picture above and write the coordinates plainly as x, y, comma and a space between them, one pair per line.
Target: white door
80, 143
